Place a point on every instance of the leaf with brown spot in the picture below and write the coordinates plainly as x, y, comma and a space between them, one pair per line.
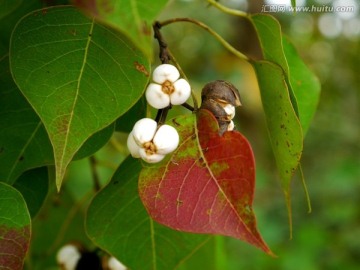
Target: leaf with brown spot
78, 85
207, 185
15, 228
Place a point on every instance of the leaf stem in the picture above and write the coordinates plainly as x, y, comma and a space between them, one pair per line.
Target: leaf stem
161, 115
289, 210
227, 10
166, 56
193, 96
305, 188
95, 176
223, 42
188, 106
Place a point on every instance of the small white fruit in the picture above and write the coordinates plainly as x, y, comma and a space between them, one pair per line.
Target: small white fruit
144, 130
156, 97
114, 264
166, 139
182, 92
68, 256
132, 146
151, 143
231, 126
230, 110
167, 88
165, 72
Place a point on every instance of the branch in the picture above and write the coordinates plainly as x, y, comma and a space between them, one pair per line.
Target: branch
211, 31
228, 10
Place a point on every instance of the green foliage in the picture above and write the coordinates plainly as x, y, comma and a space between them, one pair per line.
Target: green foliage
72, 85
15, 228
130, 234
75, 82
133, 18
34, 186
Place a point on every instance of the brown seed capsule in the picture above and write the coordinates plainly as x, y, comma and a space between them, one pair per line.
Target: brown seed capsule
218, 111
215, 97
221, 91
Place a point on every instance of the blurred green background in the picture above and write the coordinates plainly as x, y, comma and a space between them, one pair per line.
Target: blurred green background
329, 237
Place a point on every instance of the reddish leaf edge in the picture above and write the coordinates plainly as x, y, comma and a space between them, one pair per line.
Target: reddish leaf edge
261, 244
253, 236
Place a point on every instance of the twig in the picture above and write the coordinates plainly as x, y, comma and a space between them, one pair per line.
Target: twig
208, 29
163, 51
228, 10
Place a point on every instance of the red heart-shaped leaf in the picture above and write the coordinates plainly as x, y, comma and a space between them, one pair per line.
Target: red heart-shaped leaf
207, 185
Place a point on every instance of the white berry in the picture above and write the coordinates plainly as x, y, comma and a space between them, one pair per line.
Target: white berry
68, 257
133, 146
156, 97
231, 126
230, 110
114, 264
151, 143
182, 92
166, 139
144, 130
167, 88
150, 156
165, 72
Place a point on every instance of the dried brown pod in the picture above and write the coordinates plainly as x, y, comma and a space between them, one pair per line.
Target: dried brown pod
215, 97
221, 91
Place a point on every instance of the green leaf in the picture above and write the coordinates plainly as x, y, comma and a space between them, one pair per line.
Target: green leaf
270, 37
79, 76
33, 185
60, 221
293, 3
207, 176
8, 7
130, 234
133, 18
127, 121
24, 143
15, 228
283, 125
305, 84
95, 142
10, 12
204, 258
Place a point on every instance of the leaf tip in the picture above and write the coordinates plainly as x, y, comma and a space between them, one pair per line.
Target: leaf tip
59, 179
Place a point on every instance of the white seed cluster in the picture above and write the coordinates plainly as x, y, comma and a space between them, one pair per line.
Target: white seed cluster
115, 264
230, 111
68, 256
150, 142
167, 88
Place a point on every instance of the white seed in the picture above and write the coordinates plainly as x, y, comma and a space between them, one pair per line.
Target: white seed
182, 92
150, 158
156, 97
114, 264
68, 256
231, 126
144, 131
230, 110
166, 139
165, 72
132, 146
